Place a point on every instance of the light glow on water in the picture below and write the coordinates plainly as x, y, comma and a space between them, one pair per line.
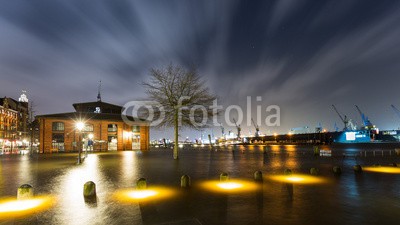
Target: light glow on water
229, 186
142, 194
13, 207
298, 179
132, 195
382, 169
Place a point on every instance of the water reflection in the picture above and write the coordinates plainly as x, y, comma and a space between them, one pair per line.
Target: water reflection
24, 169
70, 191
345, 199
129, 168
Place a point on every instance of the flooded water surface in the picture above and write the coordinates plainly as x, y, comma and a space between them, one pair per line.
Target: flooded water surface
351, 198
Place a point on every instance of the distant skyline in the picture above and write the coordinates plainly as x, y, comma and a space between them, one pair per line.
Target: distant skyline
301, 55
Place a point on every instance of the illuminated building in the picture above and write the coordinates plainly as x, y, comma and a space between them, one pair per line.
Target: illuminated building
103, 130
13, 123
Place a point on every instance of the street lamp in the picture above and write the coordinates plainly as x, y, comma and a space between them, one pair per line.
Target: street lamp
290, 137
79, 126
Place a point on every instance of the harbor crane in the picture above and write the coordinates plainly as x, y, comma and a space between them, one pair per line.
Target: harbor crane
348, 124
257, 134
222, 130
396, 110
366, 123
238, 129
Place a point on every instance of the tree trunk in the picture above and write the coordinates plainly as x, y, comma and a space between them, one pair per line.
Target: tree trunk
176, 127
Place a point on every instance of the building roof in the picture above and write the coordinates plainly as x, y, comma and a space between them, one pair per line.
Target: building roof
91, 116
14, 104
87, 106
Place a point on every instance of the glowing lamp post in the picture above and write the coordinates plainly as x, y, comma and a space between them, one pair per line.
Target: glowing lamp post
290, 137
79, 127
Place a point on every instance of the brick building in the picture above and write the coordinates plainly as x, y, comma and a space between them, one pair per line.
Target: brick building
13, 123
103, 130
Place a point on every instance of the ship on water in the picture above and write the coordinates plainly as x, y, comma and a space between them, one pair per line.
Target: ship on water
367, 133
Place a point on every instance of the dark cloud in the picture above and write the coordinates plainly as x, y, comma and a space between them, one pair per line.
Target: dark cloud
301, 55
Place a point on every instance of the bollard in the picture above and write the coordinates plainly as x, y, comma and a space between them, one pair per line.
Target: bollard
89, 189
223, 177
374, 153
357, 168
337, 170
288, 172
25, 191
316, 151
258, 176
185, 181
314, 171
141, 184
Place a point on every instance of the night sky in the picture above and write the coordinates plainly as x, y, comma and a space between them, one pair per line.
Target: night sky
300, 55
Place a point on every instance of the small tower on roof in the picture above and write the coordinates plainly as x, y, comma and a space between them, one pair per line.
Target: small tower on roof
23, 97
99, 92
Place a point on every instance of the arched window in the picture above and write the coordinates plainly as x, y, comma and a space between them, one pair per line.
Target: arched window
88, 128
58, 126
112, 128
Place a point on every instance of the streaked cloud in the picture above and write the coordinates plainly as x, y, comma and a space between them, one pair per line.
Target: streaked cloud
301, 55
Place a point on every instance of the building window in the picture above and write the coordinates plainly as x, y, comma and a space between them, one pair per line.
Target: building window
112, 128
88, 128
136, 129
58, 126
58, 141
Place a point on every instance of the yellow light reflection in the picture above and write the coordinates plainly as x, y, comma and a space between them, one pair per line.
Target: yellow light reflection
13, 207
141, 194
298, 179
230, 186
134, 195
382, 169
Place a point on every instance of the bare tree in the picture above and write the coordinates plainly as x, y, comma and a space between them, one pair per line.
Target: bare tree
185, 100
